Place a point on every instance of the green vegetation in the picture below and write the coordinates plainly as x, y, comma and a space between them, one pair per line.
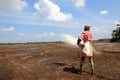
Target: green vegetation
30, 43
116, 34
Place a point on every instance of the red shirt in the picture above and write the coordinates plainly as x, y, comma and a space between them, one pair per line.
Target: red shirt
86, 36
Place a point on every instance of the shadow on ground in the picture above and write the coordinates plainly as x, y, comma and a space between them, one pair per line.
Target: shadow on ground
67, 68
71, 70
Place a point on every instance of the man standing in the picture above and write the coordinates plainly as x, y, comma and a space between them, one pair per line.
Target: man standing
86, 47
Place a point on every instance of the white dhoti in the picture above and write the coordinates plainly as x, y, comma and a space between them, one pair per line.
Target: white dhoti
87, 49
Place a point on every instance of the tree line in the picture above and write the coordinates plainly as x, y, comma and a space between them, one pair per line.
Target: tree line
116, 33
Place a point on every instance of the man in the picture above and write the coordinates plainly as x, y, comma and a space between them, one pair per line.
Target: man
86, 47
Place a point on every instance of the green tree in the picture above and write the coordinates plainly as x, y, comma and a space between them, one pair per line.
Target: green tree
116, 33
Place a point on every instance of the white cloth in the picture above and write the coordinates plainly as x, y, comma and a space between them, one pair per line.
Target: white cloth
86, 48
82, 42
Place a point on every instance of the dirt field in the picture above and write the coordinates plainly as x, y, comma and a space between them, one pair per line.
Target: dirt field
57, 61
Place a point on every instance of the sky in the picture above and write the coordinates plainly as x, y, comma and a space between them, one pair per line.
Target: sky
56, 20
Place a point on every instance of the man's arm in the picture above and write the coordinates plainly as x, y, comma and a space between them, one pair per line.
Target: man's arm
78, 41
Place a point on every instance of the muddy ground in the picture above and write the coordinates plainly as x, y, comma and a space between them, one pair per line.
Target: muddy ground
57, 61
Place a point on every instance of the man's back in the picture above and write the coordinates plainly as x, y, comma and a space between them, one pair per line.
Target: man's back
86, 36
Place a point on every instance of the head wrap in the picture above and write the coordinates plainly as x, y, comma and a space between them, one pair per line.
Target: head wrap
87, 26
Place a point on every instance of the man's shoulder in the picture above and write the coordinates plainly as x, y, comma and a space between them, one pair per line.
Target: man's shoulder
84, 32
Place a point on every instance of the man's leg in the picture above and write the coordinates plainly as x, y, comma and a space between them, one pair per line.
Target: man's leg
81, 63
91, 64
